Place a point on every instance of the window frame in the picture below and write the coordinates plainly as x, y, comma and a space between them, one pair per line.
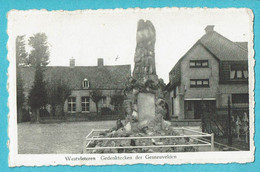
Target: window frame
241, 97
86, 86
71, 104
85, 104
202, 85
234, 69
199, 63
103, 100
188, 106
243, 75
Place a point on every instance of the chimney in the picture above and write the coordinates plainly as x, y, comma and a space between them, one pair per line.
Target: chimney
209, 28
100, 62
72, 62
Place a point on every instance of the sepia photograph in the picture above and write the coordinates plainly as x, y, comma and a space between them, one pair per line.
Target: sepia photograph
128, 86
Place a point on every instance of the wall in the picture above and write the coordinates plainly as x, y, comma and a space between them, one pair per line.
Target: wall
175, 74
189, 114
81, 93
170, 103
198, 52
212, 73
229, 89
178, 104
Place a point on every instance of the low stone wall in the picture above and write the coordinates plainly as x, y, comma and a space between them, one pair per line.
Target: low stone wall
94, 118
81, 117
185, 123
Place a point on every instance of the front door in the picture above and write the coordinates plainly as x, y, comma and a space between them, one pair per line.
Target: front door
209, 107
197, 109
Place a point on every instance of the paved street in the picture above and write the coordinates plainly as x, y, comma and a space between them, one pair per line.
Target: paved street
63, 138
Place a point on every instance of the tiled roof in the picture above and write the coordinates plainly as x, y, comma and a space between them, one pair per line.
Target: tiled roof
99, 77
242, 45
224, 49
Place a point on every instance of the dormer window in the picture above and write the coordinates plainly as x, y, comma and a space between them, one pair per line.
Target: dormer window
238, 72
85, 83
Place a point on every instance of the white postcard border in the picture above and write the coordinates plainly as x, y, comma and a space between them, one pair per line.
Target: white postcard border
16, 159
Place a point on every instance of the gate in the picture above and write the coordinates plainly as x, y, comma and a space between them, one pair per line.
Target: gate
228, 123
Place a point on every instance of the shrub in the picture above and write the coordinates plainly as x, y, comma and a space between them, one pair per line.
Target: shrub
106, 111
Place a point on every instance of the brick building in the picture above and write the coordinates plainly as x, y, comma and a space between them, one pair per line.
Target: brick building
82, 80
214, 69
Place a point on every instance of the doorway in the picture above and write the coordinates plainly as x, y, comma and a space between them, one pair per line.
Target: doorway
197, 109
209, 107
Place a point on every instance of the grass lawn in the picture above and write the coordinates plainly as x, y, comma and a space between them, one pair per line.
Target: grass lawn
62, 138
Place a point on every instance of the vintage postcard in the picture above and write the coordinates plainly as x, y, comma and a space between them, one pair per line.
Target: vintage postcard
130, 86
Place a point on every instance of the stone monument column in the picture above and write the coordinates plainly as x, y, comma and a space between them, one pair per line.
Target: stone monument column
144, 53
144, 69
144, 89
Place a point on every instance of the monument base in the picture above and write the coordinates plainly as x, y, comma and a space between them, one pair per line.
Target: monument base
146, 107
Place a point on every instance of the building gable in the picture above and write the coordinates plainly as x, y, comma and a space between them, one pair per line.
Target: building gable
224, 50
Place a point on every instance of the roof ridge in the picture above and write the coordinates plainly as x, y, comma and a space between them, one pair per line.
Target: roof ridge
230, 41
213, 40
106, 77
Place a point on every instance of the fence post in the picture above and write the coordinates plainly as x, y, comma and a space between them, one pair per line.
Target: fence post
84, 146
212, 141
229, 124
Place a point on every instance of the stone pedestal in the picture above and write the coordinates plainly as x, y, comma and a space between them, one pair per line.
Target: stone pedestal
146, 107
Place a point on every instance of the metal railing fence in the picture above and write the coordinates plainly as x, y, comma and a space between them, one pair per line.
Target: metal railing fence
196, 135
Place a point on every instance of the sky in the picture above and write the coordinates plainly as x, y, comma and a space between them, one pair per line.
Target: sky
108, 34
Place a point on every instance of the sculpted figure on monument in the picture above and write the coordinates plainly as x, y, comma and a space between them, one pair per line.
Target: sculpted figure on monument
144, 53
